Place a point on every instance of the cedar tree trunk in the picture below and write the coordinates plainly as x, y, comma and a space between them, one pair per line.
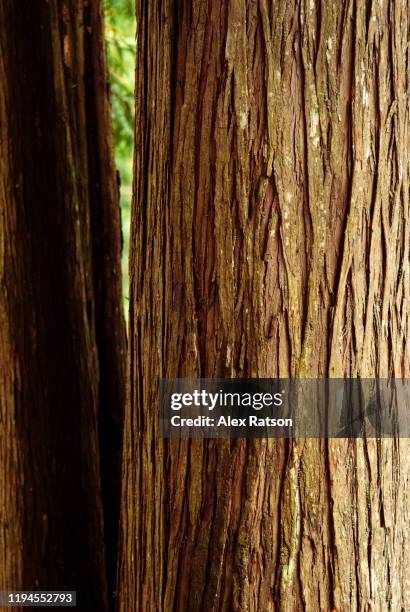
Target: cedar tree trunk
270, 238
62, 339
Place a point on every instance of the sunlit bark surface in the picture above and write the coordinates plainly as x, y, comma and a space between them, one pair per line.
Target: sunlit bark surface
270, 238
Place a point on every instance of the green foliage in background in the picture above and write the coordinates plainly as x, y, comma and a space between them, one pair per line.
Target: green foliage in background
121, 47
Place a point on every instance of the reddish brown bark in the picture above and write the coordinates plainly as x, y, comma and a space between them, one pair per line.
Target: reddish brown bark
270, 238
62, 339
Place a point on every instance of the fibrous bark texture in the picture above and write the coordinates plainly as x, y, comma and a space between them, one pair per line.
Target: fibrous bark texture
62, 339
270, 238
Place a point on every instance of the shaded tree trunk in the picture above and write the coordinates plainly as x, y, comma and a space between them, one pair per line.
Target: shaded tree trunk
62, 338
270, 238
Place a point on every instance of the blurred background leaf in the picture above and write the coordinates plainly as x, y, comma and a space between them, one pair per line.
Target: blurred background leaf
120, 27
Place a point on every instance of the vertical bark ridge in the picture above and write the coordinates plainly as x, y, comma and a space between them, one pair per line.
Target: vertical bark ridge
61, 317
270, 239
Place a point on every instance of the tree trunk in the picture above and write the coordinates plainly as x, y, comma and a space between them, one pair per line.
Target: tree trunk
270, 238
62, 338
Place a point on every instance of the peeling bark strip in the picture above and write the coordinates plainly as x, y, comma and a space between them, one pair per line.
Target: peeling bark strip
62, 339
270, 238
